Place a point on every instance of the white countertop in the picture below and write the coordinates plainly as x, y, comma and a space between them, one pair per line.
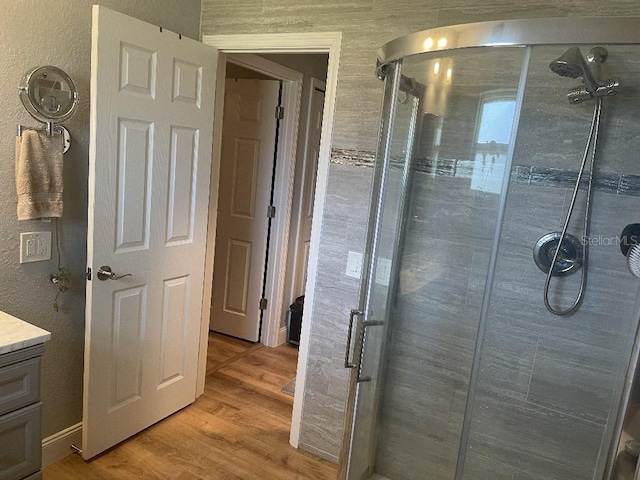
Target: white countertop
16, 334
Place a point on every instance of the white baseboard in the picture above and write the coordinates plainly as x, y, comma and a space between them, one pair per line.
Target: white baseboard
58, 445
282, 335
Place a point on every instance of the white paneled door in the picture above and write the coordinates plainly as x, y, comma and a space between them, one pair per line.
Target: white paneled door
150, 162
246, 173
312, 152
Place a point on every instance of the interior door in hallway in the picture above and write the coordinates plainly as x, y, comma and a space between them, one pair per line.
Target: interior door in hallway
246, 173
152, 99
312, 151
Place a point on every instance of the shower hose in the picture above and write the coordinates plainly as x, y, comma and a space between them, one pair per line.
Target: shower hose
592, 143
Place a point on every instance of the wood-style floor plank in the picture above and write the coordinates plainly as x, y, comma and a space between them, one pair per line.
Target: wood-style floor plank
238, 430
223, 350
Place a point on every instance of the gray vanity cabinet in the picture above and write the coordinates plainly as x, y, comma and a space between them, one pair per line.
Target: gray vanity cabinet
20, 439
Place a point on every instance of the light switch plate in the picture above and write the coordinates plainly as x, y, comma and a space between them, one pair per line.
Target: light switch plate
35, 247
354, 265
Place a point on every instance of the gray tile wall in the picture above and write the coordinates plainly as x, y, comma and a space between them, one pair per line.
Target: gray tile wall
547, 384
343, 229
366, 25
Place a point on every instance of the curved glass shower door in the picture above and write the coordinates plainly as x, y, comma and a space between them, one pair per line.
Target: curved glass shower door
462, 371
392, 179
438, 202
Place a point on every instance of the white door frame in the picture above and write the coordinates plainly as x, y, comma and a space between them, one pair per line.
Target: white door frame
312, 42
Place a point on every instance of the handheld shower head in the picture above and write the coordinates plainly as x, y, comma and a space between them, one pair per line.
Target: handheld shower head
570, 64
573, 65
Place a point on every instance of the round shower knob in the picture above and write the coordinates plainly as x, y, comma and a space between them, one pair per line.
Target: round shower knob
569, 258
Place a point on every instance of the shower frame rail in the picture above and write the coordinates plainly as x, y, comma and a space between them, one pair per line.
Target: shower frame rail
514, 33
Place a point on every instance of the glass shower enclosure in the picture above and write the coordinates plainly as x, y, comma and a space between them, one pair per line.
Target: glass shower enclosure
458, 369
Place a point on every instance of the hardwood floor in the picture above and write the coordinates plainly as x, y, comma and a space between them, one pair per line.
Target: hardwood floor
224, 350
239, 429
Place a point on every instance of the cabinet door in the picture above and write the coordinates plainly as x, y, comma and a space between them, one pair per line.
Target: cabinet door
19, 385
20, 444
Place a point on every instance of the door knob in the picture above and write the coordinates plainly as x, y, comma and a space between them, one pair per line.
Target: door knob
105, 273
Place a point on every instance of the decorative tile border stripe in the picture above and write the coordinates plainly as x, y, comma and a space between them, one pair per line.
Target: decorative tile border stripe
557, 177
353, 158
620, 184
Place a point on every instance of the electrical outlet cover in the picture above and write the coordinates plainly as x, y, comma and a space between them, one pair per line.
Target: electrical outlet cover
35, 247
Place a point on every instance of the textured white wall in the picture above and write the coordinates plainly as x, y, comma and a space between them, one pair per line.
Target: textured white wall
58, 32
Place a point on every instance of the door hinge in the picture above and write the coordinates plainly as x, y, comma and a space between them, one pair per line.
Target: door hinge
279, 112
263, 304
88, 273
271, 211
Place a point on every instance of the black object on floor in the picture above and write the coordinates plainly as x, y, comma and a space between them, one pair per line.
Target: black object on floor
294, 321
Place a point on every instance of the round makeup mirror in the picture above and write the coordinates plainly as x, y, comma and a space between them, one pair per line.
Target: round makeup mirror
49, 94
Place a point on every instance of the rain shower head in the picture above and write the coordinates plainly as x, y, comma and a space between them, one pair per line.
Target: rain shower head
573, 65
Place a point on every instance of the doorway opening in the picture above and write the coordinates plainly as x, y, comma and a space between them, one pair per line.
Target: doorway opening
271, 131
284, 44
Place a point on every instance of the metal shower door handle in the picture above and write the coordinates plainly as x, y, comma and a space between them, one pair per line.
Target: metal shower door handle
105, 273
365, 325
347, 362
